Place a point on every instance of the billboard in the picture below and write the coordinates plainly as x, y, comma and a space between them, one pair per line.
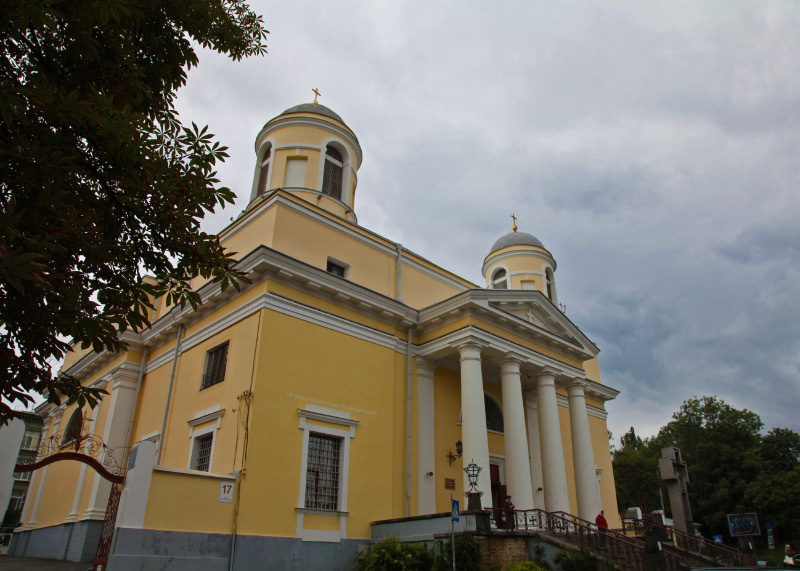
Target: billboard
743, 524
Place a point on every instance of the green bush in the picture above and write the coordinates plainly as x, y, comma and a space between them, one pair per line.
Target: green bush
583, 560
393, 555
468, 554
523, 566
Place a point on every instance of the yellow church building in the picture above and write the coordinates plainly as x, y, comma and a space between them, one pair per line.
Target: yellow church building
349, 382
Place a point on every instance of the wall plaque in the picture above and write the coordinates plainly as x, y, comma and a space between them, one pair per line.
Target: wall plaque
449, 483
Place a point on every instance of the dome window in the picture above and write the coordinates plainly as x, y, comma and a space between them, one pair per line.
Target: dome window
334, 170
550, 284
263, 174
500, 279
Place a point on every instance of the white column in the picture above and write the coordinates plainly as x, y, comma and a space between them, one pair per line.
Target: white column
123, 393
586, 487
56, 414
518, 470
556, 497
426, 449
473, 420
537, 484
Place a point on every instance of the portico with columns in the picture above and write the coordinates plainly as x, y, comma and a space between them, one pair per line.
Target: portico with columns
550, 461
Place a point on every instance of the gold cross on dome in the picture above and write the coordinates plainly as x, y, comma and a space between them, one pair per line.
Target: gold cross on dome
514, 227
316, 94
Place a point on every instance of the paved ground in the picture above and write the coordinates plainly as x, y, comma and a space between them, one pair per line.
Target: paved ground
36, 564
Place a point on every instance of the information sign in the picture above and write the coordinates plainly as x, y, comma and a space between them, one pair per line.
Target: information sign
226, 492
454, 510
743, 524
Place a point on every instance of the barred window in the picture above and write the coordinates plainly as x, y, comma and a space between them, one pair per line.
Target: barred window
332, 177
204, 444
216, 362
499, 279
322, 475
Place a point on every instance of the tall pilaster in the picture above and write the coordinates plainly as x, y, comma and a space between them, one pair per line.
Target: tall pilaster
586, 486
535, 448
517, 461
55, 420
115, 430
473, 419
556, 496
426, 449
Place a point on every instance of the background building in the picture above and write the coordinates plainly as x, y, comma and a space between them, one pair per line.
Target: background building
275, 423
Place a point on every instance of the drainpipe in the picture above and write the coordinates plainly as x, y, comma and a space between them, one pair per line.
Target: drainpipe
181, 330
399, 271
408, 425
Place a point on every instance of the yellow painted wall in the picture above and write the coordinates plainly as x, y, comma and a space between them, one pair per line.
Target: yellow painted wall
172, 497
602, 457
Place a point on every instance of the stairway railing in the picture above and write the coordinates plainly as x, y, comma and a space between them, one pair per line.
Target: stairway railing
614, 545
695, 546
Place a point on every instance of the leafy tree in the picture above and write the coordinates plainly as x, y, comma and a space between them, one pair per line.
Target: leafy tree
714, 439
774, 491
99, 180
636, 473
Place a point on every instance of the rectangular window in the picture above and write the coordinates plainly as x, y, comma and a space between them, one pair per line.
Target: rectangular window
17, 501
322, 475
295, 173
335, 269
203, 459
24, 476
216, 362
31, 440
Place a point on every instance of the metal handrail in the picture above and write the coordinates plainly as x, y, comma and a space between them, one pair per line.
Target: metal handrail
615, 545
694, 545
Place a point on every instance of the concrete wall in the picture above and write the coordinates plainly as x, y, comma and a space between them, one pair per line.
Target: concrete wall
71, 542
147, 549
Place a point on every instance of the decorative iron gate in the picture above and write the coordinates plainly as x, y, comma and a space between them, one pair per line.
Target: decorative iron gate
107, 533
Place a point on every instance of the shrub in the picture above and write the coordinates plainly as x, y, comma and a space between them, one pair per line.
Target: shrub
468, 554
393, 555
523, 566
583, 560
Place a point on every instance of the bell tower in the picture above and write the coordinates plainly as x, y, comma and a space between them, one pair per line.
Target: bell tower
309, 151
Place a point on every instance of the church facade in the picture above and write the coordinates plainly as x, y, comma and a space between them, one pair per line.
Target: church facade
350, 381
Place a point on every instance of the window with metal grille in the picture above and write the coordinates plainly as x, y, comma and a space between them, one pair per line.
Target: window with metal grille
204, 444
332, 177
499, 279
322, 475
216, 362
264, 172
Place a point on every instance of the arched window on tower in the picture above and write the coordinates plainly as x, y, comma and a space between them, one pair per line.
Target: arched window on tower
74, 428
263, 173
494, 414
500, 279
550, 284
334, 171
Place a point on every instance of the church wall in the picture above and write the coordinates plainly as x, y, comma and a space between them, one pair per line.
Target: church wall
447, 402
419, 289
602, 457
592, 368
183, 502
566, 444
334, 371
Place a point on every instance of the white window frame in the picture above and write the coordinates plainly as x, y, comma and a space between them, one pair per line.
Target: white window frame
493, 280
23, 476
196, 430
31, 440
347, 174
20, 497
348, 431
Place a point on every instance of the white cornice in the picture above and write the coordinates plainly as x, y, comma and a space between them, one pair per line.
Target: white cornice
446, 344
516, 254
300, 121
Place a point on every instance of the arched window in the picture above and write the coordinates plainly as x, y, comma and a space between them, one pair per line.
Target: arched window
550, 284
263, 173
74, 427
494, 415
500, 279
334, 170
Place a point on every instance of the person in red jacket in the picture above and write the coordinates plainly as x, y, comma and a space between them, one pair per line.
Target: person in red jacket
602, 526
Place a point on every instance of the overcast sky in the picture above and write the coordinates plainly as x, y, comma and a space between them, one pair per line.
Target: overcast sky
652, 147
